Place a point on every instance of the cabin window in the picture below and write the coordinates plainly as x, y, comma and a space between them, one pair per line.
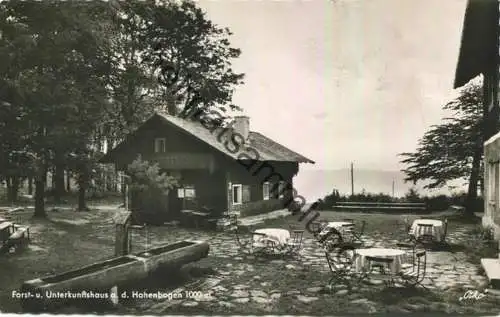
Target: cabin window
237, 194
160, 145
265, 191
281, 189
187, 192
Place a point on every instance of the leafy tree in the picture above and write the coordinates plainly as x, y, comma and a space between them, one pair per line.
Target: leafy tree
167, 56
56, 72
191, 57
453, 149
74, 75
130, 82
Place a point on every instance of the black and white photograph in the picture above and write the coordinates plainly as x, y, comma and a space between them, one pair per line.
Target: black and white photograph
250, 157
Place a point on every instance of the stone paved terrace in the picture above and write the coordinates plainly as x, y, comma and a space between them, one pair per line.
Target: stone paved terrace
264, 285
240, 278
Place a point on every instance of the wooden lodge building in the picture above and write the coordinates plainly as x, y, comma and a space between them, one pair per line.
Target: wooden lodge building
222, 170
480, 55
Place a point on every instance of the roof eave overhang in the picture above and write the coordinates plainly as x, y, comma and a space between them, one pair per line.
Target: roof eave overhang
479, 41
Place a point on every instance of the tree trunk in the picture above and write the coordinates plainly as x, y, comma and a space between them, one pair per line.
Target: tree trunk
82, 187
12, 188
30, 185
68, 181
15, 188
473, 182
8, 183
59, 188
40, 181
81, 199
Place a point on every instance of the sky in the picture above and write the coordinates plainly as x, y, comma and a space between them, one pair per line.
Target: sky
346, 80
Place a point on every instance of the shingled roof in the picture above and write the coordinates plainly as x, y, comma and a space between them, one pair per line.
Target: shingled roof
479, 43
267, 149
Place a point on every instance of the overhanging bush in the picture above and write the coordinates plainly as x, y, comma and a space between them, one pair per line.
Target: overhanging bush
149, 191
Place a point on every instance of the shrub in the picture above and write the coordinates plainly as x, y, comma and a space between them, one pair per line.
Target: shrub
412, 196
484, 233
438, 203
480, 244
148, 190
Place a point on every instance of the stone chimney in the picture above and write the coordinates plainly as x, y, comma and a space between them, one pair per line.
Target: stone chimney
241, 125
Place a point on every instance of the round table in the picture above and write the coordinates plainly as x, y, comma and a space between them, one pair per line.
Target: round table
281, 236
336, 225
396, 254
437, 230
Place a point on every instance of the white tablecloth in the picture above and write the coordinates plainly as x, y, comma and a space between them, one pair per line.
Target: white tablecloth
396, 254
334, 224
437, 230
281, 236
5, 224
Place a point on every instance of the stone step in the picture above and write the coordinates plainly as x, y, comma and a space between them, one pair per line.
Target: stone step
492, 269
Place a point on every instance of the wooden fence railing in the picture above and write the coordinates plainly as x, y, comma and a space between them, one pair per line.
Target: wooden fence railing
378, 206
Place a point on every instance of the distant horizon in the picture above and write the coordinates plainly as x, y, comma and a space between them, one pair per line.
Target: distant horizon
317, 183
310, 167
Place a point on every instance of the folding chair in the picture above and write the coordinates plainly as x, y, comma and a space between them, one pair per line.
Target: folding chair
407, 224
414, 276
358, 234
19, 238
245, 238
445, 230
341, 262
426, 238
409, 258
351, 234
6, 231
331, 239
294, 244
316, 227
25, 231
381, 268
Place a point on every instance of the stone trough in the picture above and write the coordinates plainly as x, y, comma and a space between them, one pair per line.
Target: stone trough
173, 256
100, 277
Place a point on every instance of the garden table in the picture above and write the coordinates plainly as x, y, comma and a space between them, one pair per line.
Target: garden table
396, 254
437, 229
336, 225
280, 236
6, 229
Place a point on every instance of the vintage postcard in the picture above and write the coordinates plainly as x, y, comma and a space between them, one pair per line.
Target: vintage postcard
312, 158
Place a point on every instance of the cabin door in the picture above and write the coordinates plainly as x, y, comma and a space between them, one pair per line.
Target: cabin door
174, 203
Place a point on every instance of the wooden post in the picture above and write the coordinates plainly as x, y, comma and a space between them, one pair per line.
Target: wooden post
122, 241
352, 179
